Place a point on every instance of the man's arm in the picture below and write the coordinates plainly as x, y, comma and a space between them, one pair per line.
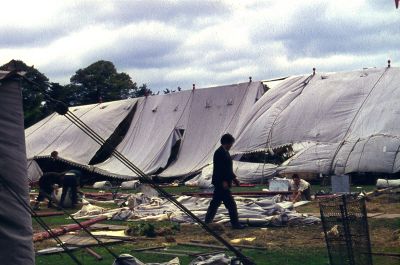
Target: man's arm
236, 180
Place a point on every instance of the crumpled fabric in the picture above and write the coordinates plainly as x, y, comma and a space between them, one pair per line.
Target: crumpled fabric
218, 259
252, 211
131, 260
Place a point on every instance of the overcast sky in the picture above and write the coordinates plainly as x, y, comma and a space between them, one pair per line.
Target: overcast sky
177, 43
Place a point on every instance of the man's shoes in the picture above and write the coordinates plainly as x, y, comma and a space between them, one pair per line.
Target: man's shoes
238, 226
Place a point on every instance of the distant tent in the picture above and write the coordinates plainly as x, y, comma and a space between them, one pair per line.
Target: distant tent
16, 224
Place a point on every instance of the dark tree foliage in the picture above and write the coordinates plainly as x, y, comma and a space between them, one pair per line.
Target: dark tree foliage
32, 93
100, 82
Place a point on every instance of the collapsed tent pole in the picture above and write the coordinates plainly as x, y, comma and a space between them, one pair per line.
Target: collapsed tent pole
65, 229
62, 109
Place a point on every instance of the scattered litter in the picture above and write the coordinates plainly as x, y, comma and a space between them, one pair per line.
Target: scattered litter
253, 211
212, 260
241, 240
387, 183
102, 185
132, 184
126, 259
118, 233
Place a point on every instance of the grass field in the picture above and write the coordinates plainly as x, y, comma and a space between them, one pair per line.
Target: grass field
285, 245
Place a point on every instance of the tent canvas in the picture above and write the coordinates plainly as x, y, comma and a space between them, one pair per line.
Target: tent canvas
57, 133
16, 223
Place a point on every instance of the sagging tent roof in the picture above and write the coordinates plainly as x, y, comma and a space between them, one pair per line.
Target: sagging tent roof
213, 112
350, 121
56, 132
152, 134
201, 115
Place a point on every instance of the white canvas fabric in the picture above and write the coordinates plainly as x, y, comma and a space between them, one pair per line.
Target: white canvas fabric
57, 133
338, 123
252, 173
16, 224
349, 118
34, 171
153, 132
213, 112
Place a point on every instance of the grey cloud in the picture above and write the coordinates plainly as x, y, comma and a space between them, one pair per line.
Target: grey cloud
13, 36
312, 34
146, 52
182, 13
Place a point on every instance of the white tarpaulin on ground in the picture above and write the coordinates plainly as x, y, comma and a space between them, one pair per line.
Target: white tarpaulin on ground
57, 133
253, 211
350, 118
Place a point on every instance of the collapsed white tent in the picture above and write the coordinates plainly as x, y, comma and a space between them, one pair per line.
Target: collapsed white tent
348, 120
57, 133
155, 129
213, 112
201, 115
343, 122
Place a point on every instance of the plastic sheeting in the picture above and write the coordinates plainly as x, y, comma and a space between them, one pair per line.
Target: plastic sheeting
350, 119
57, 133
16, 224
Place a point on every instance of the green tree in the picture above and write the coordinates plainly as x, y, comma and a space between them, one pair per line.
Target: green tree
34, 101
100, 81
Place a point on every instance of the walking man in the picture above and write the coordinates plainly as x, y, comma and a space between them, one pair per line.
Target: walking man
222, 179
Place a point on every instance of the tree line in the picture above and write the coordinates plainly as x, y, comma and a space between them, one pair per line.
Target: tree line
98, 82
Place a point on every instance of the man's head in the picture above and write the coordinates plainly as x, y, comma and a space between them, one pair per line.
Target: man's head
296, 178
54, 154
227, 141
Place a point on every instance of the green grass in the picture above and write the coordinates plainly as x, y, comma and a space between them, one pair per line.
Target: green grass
286, 255
309, 256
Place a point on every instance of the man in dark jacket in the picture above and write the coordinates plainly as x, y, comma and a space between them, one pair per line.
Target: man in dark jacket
46, 187
222, 179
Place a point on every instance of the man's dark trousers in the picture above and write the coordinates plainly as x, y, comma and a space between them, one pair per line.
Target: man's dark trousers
222, 196
69, 183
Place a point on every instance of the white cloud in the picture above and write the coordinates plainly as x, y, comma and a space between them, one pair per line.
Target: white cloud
177, 43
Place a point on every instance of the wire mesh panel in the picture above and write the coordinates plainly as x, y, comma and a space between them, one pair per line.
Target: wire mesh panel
345, 224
